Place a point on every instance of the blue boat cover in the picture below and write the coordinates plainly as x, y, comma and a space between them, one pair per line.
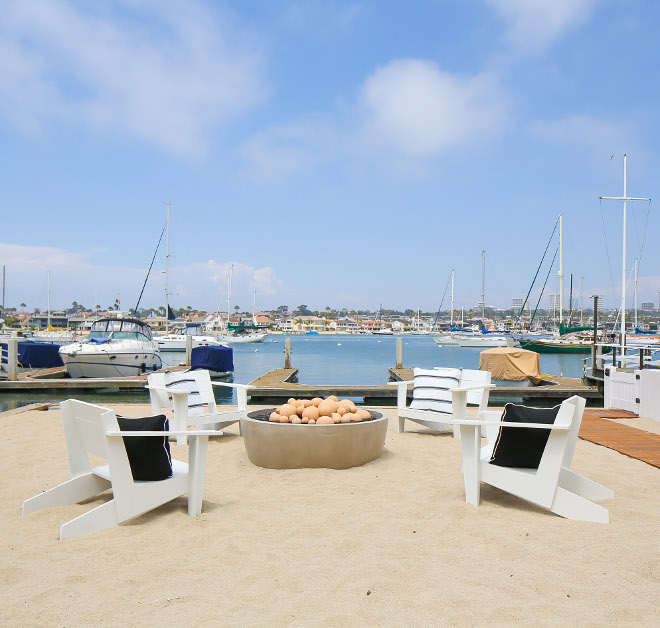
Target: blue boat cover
219, 359
39, 355
639, 332
98, 341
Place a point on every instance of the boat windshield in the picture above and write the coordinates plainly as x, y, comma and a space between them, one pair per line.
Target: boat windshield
190, 329
120, 330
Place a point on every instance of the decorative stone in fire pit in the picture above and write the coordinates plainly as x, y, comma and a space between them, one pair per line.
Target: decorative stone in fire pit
293, 445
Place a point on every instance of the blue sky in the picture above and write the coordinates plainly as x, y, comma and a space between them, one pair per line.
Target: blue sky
337, 153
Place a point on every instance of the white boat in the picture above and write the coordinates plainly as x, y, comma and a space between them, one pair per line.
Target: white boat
115, 347
383, 332
481, 340
241, 338
445, 339
176, 339
54, 337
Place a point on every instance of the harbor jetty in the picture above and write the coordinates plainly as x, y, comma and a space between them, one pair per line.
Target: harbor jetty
280, 384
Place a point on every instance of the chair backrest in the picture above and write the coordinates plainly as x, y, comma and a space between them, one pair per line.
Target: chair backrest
578, 404
474, 378
561, 444
198, 383
84, 432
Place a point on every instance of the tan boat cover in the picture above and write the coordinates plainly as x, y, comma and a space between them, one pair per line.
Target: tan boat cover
512, 364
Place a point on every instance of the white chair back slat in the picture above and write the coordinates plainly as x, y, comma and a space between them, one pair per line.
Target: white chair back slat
83, 428
476, 378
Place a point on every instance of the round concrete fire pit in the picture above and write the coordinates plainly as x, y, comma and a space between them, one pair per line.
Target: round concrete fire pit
297, 446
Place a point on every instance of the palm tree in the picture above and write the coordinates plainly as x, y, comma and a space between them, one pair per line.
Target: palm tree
22, 305
97, 307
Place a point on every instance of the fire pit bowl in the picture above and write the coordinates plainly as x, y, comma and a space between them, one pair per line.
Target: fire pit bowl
298, 446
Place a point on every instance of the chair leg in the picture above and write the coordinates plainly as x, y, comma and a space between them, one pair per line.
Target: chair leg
70, 492
583, 487
471, 447
100, 518
572, 506
196, 473
401, 427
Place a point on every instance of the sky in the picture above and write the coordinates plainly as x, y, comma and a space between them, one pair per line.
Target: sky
342, 154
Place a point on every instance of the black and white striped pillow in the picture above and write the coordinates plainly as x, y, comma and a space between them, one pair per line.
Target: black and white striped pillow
186, 381
432, 389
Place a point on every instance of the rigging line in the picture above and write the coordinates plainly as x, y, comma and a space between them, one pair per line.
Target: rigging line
641, 249
609, 261
544, 284
522, 309
441, 302
150, 267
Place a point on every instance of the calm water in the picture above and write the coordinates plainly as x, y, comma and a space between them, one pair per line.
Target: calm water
325, 359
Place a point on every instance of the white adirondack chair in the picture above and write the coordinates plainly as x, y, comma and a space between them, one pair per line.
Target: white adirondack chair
553, 485
187, 392
90, 429
473, 387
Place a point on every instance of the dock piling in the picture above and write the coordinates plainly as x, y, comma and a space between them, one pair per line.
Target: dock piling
188, 350
287, 352
12, 359
399, 353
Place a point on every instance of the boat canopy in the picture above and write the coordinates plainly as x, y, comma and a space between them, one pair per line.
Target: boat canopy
511, 364
187, 329
124, 325
571, 330
219, 359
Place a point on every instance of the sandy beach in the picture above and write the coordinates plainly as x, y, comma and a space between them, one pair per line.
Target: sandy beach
391, 543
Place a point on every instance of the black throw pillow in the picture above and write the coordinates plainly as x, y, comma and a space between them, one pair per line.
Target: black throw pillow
149, 456
522, 447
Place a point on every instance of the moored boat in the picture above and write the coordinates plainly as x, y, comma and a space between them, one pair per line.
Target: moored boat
115, 347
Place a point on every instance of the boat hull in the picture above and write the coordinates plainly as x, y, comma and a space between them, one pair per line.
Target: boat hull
241, 339
178, 343
555, 347
107, 361
483, 342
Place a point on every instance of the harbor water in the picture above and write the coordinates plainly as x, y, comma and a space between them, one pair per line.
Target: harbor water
337, 360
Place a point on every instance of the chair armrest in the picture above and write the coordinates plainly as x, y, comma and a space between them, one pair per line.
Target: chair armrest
168, 390
473, 387
400, 382
228, 385
168, 433
540, 426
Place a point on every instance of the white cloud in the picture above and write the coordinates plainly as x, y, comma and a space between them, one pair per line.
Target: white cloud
286, 150
421, 111
534, 25
168, 72
75, 276
603, 136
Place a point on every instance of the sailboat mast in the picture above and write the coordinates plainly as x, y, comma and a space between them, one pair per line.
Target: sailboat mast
167, 274
624, 198
451, 316
635, 303
254, 303
231, 270
581, 292
3, 292
570, 302
561, 268
483, 286
48, 326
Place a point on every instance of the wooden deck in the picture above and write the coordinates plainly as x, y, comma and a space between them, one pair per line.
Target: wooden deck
627, 440
280, 384
48, 380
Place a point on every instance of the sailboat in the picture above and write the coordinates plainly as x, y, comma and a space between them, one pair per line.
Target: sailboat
380, 331
51, 335
484, 338
240, 333
570, 339
175, 340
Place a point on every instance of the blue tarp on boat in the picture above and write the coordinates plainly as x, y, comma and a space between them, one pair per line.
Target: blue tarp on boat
39, 355
218, 359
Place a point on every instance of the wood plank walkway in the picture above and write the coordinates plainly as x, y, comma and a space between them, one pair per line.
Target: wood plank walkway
627, 440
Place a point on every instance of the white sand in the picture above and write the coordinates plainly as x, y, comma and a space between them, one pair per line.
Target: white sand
305, 547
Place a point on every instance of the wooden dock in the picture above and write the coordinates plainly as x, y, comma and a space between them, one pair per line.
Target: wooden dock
627, 440
55, 379
280, 384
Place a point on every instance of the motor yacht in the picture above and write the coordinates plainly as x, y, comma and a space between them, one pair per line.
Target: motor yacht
114, 347
176, 339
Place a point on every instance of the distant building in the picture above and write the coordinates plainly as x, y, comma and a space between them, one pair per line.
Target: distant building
553, 302
517, 304
648, 305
